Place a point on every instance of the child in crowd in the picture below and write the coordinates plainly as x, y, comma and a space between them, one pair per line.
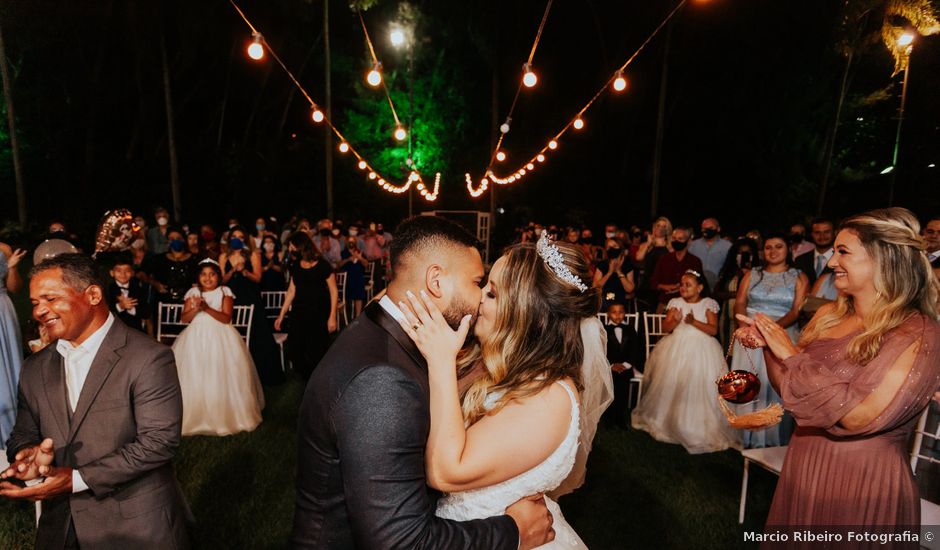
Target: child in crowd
221, 391
679, 402
624, 352
128, 297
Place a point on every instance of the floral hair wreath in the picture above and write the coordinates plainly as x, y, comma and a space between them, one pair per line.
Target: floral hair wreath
553, 259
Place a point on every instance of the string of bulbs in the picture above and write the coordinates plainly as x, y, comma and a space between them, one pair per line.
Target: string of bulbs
259, 47
617, 82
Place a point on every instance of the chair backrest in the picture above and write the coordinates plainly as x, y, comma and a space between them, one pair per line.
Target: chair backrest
273, 301
652, 329
169, 322
370, 270
602, 317
921, 450
341, 285
241, 320
629, 318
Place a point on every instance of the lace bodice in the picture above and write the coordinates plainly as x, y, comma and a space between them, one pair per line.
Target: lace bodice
213, 298
493, 500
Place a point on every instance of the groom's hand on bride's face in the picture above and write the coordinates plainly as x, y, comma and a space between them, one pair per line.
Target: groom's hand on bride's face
533, 520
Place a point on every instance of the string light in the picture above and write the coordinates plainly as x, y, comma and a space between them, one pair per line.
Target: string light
397, 37
620, 83
400, 133
256, 48
540, 157
343, 147
363, 165
500, 156
529, 78
374, 78
553, 145
373, 175
317, 115
578, 123
530, 167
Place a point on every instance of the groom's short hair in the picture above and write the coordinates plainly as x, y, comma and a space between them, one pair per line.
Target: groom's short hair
420, 233
78, 270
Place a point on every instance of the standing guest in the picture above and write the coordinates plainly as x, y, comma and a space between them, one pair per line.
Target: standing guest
354, 265
158, 238
614, 276
932, 240
711, 249
210, 242
260, 231
193, 246
670, 267
373, 243
777, 290
814, 265
329, 247
141, 224
173, 273
635, 241
625, 354
221, 391
103, 447
311, 298
11, 354
128, 297
242, 272
272, 270
863, 371
657, 244
741, 258
797, 240
138, 254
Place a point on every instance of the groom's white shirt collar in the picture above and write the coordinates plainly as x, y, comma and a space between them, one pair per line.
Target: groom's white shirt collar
389, 306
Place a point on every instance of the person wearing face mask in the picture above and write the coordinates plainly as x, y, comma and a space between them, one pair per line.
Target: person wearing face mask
157, 240
329, 246
711, 249
614, 275
272, 270
172, 273
797, 240
740, 259
353, 263
259, 233
670, 267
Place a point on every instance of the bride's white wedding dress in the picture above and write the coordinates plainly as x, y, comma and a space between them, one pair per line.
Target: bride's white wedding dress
492, 501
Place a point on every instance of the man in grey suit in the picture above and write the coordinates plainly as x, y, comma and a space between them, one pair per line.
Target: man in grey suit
98, 422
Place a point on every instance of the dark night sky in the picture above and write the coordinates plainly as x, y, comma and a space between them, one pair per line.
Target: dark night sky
752, 86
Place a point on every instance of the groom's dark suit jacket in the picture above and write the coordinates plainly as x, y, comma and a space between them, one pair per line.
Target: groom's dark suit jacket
364, 424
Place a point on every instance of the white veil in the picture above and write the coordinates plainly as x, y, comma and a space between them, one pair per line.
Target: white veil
597, 395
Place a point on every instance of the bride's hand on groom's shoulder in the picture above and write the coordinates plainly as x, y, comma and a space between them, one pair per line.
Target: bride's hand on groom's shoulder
426, 325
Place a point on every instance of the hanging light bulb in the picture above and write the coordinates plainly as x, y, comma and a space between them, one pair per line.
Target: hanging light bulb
343, 147
905, 39
553, 145
373, 175
363, 165
500, 156
578, 123
316, 114
620, 83
374, 78
540, 157
529, 78
530, 166
400, 133
256, 48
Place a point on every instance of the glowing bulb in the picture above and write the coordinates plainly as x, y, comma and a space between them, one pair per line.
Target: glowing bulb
317, 115
343, 147
529, 78
578, 123
362, 165
905, 39
530, 166
500, 156
553, 145
400, 134
620, 83
256, 48
381, 182
540, 157
374, 78
397, 37
373, 175
504, 128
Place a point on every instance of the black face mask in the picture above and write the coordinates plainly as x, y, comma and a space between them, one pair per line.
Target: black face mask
709, 233
795, 238
614, 253
678, 245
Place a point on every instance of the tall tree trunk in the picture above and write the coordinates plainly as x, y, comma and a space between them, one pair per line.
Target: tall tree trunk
660, 126
328, 142
171, 134
228, 79
831, 144
14, 143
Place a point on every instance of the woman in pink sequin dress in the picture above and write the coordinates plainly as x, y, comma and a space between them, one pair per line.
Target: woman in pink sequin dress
863, 371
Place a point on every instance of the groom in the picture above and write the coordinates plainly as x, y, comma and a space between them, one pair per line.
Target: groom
364, 419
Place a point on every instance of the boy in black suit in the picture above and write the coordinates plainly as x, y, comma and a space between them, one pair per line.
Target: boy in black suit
128, 297
624, 354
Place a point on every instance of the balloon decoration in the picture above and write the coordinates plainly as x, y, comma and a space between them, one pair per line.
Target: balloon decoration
51, 248
116, 231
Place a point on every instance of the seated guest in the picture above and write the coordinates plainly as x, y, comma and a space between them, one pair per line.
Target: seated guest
671, 266
128, 297
272, 270
624, 351
797, 240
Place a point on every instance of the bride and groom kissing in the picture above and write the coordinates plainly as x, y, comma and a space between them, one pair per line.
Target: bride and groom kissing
410, 437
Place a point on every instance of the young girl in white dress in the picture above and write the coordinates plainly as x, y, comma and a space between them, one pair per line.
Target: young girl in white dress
221, 391
679, 402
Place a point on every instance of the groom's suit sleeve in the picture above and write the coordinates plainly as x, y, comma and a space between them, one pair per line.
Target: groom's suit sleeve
381, 433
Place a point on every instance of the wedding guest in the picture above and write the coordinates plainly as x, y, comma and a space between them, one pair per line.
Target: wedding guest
158, 238
259, 232
128, 297
670, 267
329, 247
138, 253
679, 404
272, 270
741, 258
193, 246
614, 276
210, 242
11, 352
797, 240
775, 289
221, 391
814, 265
353, 264
625, 354
312, 299
932, 240
711, 249
863, 371
657, 245
172, 273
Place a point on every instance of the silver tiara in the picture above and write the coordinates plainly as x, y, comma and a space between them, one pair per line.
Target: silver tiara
553, 258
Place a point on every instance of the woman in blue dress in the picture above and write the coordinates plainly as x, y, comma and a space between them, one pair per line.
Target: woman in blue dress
777, 290
11, 351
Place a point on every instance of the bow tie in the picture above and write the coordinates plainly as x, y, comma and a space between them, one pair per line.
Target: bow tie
617, 325
124, 287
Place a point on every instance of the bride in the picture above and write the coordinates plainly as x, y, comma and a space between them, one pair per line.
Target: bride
524, 425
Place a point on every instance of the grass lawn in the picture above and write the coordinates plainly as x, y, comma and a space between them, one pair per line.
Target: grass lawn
639, 493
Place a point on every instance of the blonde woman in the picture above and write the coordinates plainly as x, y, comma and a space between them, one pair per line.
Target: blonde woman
525, 424
862, 372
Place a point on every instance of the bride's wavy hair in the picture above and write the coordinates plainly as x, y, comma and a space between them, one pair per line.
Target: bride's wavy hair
536, 338
904, 281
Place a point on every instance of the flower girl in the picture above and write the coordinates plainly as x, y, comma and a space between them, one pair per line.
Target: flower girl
221, 391
679, 402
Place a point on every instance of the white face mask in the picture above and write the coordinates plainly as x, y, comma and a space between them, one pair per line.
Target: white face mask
336, 232
161, 221
610, 234
353, 232
269, 247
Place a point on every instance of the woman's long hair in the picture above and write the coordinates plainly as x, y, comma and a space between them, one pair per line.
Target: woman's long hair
306, 248
759, 264
904, 281
536, 338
